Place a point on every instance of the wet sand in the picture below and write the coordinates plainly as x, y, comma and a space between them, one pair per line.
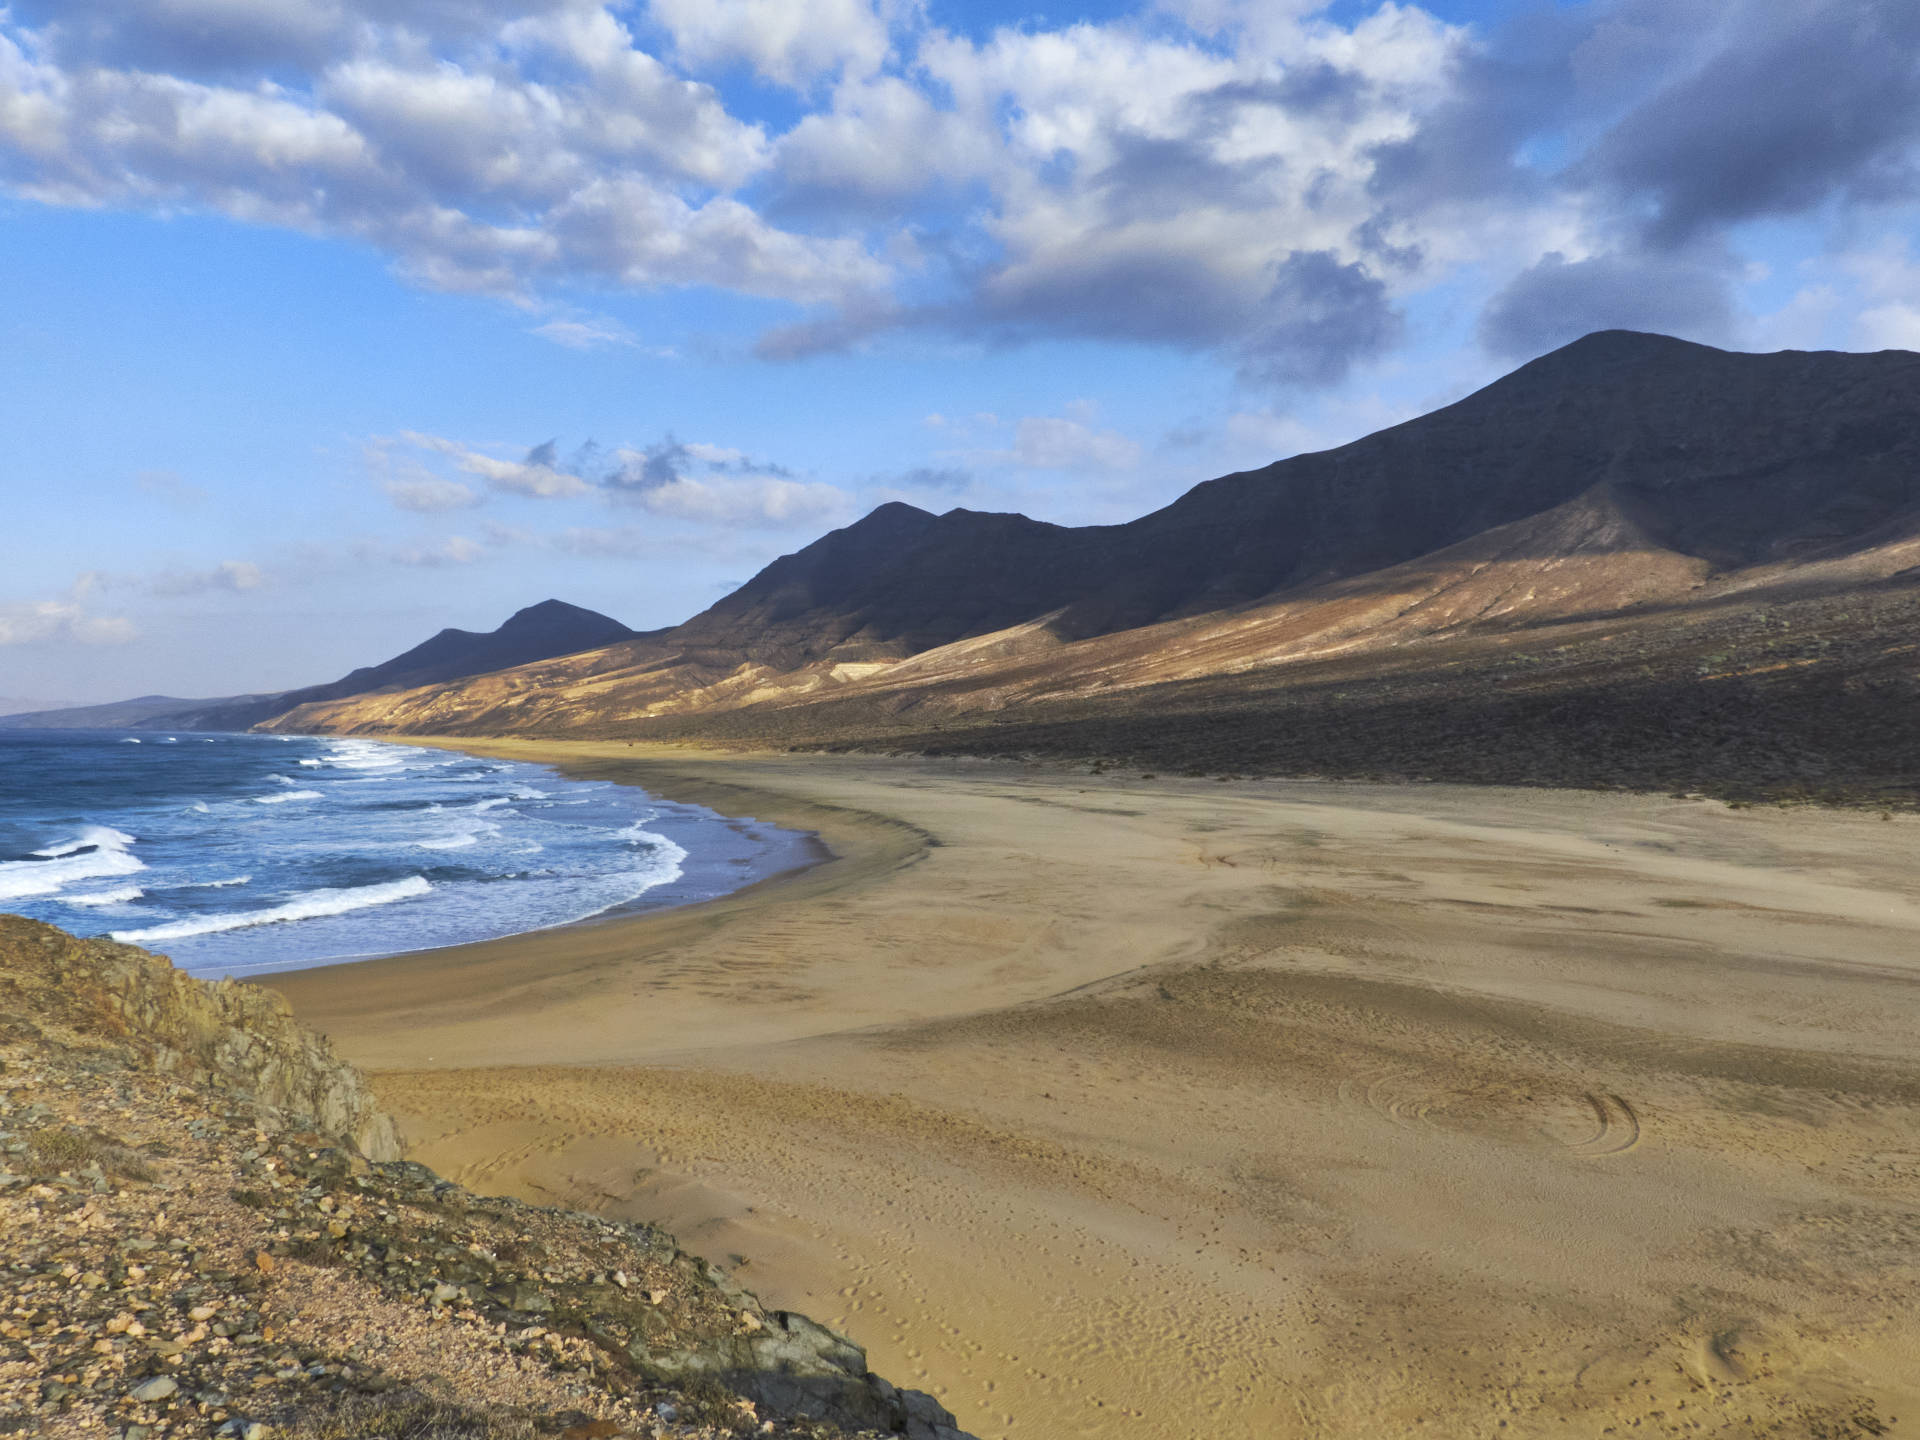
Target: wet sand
1103, 1106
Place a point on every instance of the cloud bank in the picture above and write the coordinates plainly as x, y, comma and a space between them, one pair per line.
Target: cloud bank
1262, 182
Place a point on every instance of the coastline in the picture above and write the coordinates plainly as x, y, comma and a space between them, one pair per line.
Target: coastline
1104, 1107
383, 1002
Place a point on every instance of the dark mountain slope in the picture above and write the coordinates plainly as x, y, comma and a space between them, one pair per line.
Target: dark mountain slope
538, 632
1732, 458
1633, 561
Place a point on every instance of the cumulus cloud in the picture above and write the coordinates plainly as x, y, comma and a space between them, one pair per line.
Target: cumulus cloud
688, 480
1888, 280
787, 41
483, 151
1270, 183
537, 475
716, 485
1810, 99
1320, 318
1055, 442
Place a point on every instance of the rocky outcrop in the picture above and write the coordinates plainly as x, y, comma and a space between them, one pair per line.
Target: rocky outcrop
217, 1033
207, 1225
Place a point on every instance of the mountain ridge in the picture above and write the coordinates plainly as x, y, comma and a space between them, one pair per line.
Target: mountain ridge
1377, 501
535, 632
1625, 486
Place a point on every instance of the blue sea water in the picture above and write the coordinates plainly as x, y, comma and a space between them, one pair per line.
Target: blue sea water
237, 854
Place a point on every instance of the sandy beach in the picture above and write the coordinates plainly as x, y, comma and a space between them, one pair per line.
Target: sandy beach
1109, 1106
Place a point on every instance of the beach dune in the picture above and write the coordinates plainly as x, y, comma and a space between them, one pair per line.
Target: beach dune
1104, 1106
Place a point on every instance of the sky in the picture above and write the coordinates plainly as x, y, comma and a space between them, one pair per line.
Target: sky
328, 323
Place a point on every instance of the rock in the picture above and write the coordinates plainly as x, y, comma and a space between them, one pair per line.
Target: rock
158, 1388
222, 1033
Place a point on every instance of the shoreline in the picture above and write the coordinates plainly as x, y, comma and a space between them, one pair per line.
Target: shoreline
1111, 1108
564, 958
656, 900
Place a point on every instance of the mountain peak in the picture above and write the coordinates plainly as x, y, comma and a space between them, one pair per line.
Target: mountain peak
550, 612
890, 512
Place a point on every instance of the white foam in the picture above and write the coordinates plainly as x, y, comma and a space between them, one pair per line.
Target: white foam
90, 837
310, 906
365, 755
313, 762
97, 852
663, 856
105, 897
129, 741
201, 807
451, 842
170, 740
289, 795
212, 884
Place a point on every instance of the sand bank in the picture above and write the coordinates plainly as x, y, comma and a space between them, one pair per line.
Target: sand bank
1101, 1106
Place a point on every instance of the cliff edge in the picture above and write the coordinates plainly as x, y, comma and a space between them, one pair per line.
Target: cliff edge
206, 1230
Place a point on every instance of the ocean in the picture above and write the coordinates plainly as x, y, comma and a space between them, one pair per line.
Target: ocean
238, 854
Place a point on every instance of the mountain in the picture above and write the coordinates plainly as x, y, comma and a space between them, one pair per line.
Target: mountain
14, 705
1734, 459
1635, 560
135, 714
538, 632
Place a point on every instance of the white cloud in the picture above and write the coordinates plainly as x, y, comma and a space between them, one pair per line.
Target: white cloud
1894, 326
585, 334
1247, 177
1888, 278
431, 139
229, 576
761, 502
787, 41
537, 476
1058, 442
42, 622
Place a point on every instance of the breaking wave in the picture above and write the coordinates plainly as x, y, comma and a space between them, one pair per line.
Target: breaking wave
309, 906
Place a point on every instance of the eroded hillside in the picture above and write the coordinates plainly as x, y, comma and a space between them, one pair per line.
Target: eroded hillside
1633, 561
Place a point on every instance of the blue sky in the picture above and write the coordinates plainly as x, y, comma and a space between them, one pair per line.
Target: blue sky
327, 323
